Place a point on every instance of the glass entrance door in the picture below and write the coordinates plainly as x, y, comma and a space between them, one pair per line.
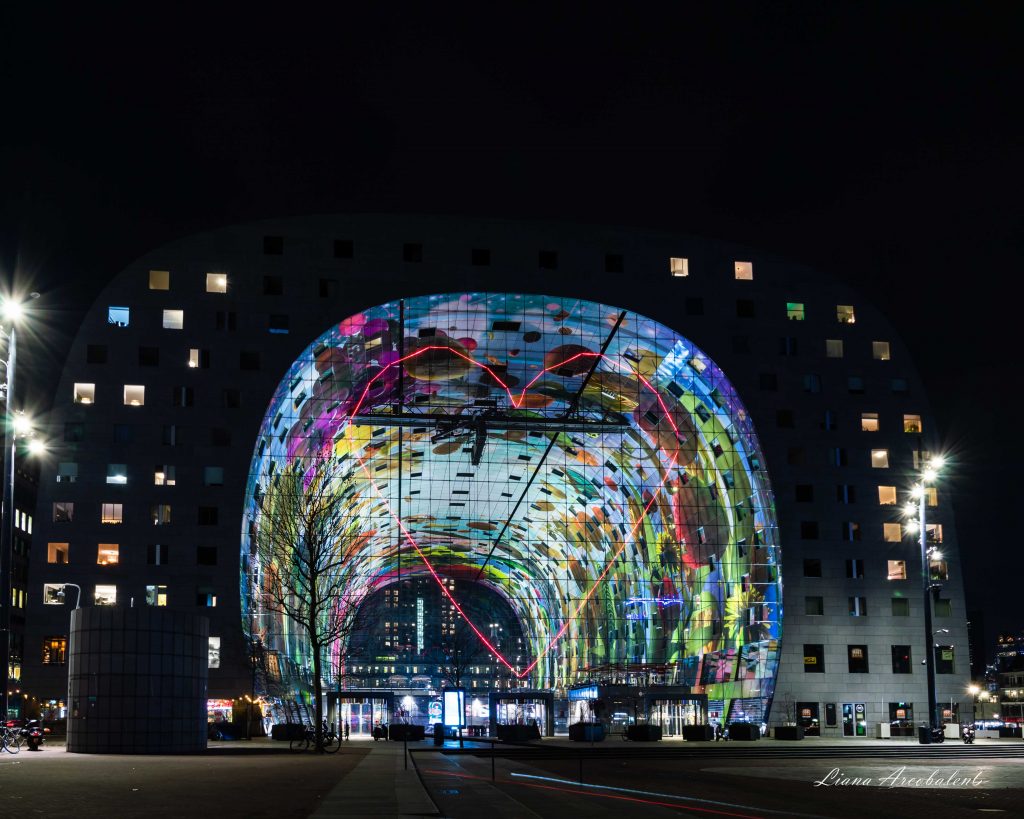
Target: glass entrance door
854, 720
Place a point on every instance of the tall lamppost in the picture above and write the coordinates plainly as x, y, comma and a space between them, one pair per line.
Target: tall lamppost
11, 311
929, 473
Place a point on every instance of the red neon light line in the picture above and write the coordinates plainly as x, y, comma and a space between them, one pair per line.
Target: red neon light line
626, 541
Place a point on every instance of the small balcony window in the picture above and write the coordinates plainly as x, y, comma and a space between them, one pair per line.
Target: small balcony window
105, 595
845, 314
744, 271
107, 554
163, 475
117, 474
85, 393
156, 595
834, 347
880, 350
57, 553
880, 458
897, 570
111, 513
892, 532
118, 316
679, 267
174, 319
795, 311
869, 422
886, 495
53, 594
159, 279
216, 282
912, 423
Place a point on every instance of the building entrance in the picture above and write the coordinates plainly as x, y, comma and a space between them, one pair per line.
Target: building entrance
854, 720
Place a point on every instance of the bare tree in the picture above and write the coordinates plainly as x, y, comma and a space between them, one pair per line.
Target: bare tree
300, 542
461, 649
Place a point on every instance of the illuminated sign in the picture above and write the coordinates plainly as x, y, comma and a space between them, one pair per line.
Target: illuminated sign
588, 692
810, 660
638, 608
455, 708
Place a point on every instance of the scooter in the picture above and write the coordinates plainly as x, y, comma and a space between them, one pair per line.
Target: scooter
34, 735
967, 734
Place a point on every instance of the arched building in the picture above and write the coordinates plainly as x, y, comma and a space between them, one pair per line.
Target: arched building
631, 438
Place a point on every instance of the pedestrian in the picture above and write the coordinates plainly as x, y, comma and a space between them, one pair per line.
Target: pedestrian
346, 730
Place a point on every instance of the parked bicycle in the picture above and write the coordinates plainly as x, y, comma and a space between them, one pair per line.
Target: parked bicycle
10, 740
331, 739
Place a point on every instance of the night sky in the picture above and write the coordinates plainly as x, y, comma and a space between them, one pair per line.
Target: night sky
879, 143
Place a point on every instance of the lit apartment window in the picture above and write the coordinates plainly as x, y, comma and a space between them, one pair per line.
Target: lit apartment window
834, 347
160, 514
845, 314
869, 422
892, 532
85, 393
886, 495
163, 475
134, 395
55, 650
938, 569
880, 458
679, 267
912, 423
156, 595
107, 554
118, 316
880, 350
63, 511
934, 531
216, 282
897, 570
744, 270
795, 310
111, 513
159, 279
117, 474
932, 495
53, 594
198, 358
174, 319
57, 553
205, 597
105, 595
67, 473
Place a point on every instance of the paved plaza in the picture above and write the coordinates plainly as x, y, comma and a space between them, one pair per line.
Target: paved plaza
554, 778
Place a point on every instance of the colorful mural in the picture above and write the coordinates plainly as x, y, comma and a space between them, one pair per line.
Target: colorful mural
590, 465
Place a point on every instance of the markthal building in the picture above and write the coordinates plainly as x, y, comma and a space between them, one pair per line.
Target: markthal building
563, 468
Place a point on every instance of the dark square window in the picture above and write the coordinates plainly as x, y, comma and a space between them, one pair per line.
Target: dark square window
804, 493
170, 435
812, 383
855, 569
857, 659
855, 384
158, 554
828, 421
812, 567
74, 432
784, 419
837, 456
182, 396
814, 605
846, 493
96, 354
744, 308
273, 245
795, 456
814, 658
849, 530
901, 660
898, 385
149, 356
206, 555
207, 516
227, 320
220, 436
343, 248
412, 252
232, 398
694, 306
809, 529
613, 263
768, 381
328, 289
122, 434
273, 285
547, 260
277, 323
900, 607
788, 346
741, 345
480, 256
249, 360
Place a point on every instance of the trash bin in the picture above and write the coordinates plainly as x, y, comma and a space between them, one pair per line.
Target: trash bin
438, 733
924, 734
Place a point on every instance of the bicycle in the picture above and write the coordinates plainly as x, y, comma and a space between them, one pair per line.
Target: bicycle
10, 740
331, 740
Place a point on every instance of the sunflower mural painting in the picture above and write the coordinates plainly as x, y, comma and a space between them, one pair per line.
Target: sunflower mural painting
591, 466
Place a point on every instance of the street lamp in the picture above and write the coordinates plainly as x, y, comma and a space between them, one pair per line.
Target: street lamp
11, 311
929, 474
